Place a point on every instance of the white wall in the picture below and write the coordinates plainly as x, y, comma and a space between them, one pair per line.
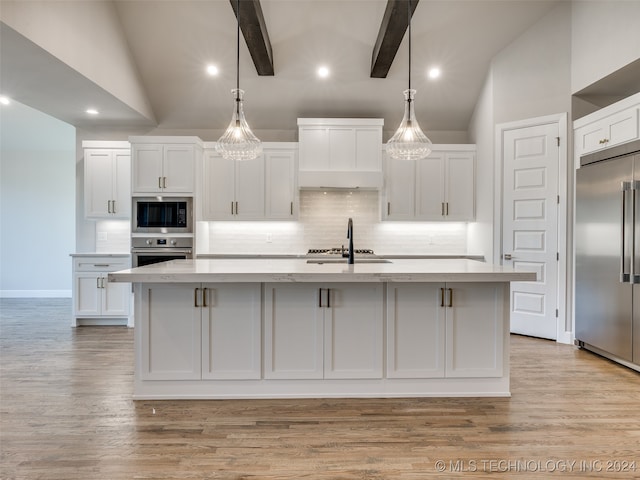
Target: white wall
37, 198
62, 29
605, 36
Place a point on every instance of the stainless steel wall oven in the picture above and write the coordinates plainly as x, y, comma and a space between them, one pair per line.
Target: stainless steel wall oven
149, 250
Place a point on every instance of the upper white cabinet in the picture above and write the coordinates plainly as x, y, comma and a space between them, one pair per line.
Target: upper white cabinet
340, 152
440, 187
107, 179
615, 124
258, 189
164, 165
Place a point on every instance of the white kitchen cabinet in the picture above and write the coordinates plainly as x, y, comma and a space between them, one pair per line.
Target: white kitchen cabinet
166, 168
340, 152
316, 331
281, 193
415, 331
233, 190
440, 187
260, 189
445, 330
613, 125
170, 320
231, 331
107, 180
96, 301
200, 331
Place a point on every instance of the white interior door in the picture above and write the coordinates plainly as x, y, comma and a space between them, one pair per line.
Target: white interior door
530, 226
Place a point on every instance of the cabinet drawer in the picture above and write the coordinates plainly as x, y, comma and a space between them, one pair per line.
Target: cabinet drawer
100, 264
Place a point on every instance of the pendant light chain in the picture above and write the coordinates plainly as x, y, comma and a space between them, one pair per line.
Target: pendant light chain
409, 22
238, 51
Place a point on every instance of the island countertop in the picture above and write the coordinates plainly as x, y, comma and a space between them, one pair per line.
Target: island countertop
298, 270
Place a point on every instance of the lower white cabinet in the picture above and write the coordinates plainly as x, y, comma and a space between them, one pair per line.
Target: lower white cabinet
330, 331
445, 330
199, 331
96, 301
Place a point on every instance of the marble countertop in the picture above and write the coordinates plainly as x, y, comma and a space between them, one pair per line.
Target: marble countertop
298, 270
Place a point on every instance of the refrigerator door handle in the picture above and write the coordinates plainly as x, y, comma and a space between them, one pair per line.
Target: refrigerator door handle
626, 247
635, 234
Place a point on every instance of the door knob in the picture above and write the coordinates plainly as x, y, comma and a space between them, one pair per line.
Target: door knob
507, 256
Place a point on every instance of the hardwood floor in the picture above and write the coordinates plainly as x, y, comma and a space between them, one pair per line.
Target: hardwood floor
66, 413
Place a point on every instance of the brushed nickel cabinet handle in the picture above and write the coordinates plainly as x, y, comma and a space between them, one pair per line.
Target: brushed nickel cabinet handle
164, 182
159, 182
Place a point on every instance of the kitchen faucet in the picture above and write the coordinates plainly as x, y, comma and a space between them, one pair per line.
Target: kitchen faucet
351, 259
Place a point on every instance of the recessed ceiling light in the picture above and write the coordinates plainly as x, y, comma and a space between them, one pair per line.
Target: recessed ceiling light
434, 72
323, 72
212, 70
92, 111
5, 100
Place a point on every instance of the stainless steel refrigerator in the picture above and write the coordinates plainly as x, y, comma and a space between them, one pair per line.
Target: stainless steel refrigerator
607, 258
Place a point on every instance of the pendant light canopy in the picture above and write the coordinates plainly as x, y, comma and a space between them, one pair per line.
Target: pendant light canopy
409, 142
238, 142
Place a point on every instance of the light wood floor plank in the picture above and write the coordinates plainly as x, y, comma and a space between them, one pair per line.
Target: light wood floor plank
66, 413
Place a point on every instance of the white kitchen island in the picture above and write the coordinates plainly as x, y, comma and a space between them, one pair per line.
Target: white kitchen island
282, 328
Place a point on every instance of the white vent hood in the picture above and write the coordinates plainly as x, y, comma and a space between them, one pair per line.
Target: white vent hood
340, 153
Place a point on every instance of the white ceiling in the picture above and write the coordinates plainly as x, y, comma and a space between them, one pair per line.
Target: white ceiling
172, 41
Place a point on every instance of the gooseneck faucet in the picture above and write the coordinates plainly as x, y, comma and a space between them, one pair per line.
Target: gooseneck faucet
351, 259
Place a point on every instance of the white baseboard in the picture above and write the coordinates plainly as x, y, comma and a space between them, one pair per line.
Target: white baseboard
35, 293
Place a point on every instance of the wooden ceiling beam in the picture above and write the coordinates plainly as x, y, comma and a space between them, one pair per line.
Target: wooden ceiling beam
254, 31
392, 29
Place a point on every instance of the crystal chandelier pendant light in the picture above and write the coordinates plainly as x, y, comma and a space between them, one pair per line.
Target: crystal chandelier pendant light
409, 142
238, 142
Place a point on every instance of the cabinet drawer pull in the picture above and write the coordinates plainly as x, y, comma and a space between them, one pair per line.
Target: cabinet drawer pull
100, 264
195, 297
450, 297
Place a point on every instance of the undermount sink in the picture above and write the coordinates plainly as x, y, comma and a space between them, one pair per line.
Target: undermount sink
344, 260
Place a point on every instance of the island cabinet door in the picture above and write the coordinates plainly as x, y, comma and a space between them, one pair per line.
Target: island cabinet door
353, 324
231, 331
170, 323
293, 331
415, 330
476, 335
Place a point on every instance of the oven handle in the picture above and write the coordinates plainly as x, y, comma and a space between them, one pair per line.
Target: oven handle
168, 251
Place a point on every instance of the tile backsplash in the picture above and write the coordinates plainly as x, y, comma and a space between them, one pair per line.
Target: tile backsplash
322, 223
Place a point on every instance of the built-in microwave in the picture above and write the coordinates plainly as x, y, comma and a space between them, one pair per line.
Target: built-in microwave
162, 215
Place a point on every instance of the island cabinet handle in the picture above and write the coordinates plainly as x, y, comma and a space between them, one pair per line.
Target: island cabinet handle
328, 298
195, 297
442, 297
450, 297
320, 298
204, 297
